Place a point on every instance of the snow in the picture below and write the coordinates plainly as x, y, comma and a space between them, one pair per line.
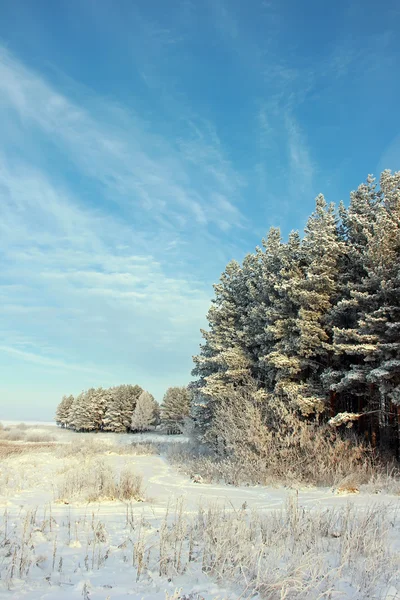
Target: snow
8, 423
98, 543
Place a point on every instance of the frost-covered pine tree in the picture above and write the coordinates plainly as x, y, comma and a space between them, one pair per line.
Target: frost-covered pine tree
146, 412
120, 408
262, 271
223, 359
378, 328
62, 411
175, 408
83, 414
346, 378
282, 353
304, 275
99, 400
73, 419
316, 293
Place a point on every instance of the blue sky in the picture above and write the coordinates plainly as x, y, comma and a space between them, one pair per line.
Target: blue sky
143, 145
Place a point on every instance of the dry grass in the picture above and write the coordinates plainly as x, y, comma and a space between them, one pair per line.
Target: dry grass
37, 437
83, 448
96, 447
12, 449
289, 553
142, 449
94, 480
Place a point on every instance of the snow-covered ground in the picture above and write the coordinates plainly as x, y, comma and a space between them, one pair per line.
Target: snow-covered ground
209, 540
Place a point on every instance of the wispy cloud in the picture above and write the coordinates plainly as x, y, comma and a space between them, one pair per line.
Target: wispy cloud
170, 183
46, 361
93, 261
301, 166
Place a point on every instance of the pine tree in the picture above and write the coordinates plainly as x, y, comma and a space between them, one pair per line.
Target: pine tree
120, 408
223, 359
379, 326
145, 414
99, 401
73, 420
175, 408
282, 353
82, 412
62, 411
261, 311
347, 376
316, 293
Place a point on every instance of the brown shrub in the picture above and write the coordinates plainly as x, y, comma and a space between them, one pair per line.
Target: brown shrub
262, 443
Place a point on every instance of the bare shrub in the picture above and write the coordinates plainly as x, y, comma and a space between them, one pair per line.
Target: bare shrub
15, 435
263, 443
141, 449
95, 480
1, 426
386, 480
130, 485
22, 426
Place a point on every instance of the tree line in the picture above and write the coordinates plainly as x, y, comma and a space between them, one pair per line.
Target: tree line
312, 324
124, 408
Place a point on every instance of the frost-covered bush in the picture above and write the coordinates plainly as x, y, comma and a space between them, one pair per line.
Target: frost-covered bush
15, 435
95, 480
255, 444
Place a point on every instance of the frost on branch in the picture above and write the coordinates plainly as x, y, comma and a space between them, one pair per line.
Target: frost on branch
344, 418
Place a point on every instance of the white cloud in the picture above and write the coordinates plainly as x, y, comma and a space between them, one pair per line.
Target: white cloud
79, 278
136, 166
46, 361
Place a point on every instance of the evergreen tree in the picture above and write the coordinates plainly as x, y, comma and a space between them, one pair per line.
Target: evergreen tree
282, 353
62, 411
376, 338
73, 420
122, 403
223, 359
175, 407
145, 414
316, 293
346, 377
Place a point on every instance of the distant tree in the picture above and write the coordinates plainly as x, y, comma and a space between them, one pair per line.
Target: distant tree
99, 401
85, 413
145, 414
120, 408
73, 419
62, 411
175, 408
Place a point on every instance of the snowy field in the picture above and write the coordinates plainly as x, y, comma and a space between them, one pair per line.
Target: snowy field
169, 537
